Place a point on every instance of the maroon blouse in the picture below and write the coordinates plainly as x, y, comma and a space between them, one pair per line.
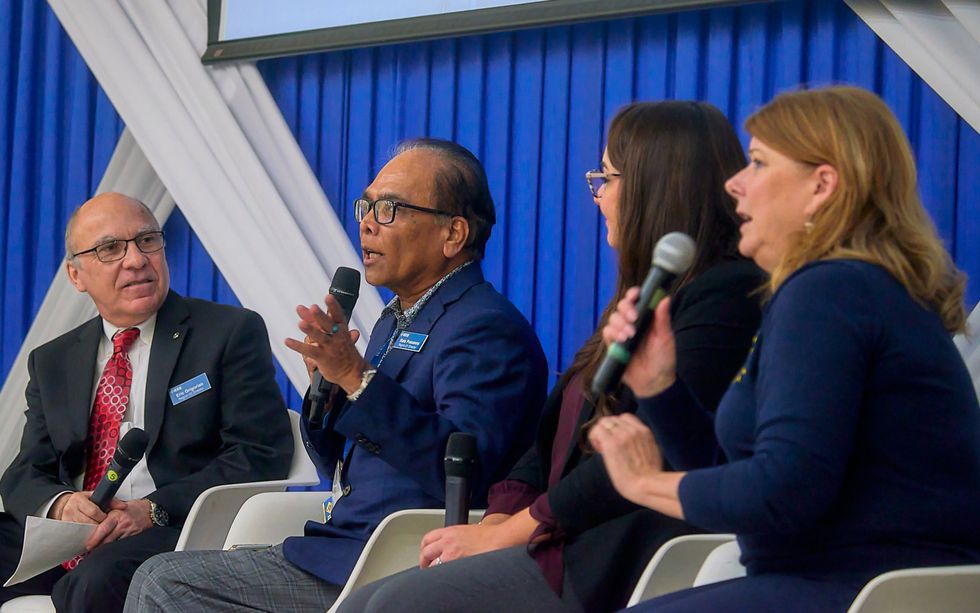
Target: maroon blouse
512, 497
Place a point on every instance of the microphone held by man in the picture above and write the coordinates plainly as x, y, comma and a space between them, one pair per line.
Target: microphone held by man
129, 451
345, 288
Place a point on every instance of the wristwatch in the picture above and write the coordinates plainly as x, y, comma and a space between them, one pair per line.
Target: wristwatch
366, 377
158, 516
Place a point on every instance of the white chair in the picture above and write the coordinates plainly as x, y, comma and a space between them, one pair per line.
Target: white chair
215, 509
213, 513
394, 546
951, 589
269, 518
721, 564
676, 565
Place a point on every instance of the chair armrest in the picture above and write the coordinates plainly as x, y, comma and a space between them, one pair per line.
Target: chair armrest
676, 564
721, 564
270, 517
394, 546
951, 589
214, 510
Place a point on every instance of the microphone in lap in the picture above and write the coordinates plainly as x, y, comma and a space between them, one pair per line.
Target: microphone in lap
672, 256
345, 287
460, 463
129, 451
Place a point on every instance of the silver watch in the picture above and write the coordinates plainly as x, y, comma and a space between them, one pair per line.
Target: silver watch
366, 377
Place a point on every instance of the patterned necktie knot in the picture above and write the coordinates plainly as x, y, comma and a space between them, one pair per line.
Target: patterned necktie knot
124, 339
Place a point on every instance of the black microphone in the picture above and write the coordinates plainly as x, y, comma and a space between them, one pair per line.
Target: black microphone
672, 256
345, 287
129, 451
460, 462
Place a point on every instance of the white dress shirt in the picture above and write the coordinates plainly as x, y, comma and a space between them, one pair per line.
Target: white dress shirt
139, 483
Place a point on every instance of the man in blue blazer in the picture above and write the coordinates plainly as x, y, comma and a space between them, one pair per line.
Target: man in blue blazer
448, 354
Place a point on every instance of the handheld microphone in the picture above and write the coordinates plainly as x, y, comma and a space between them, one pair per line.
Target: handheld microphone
460, 463
672, 256
345, 287
129, 451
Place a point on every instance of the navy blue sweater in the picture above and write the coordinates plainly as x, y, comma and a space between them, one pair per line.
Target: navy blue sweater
852, 435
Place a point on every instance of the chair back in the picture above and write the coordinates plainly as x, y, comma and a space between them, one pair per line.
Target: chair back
675, 565
394, 546
721, 565
969, 346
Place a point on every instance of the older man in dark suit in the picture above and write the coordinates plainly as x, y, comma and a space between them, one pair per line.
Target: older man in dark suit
448, 354
196, 376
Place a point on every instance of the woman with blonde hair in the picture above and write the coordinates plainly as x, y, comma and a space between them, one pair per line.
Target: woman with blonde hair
852, 433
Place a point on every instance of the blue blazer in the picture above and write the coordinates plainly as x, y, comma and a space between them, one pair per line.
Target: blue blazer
481, 370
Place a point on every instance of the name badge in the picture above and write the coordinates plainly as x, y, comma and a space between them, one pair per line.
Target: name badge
410, 341
190, 388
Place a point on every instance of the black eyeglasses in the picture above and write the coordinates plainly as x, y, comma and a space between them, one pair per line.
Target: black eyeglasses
597, 178
115, 249
384, 210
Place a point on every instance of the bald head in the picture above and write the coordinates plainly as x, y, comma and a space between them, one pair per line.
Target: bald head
132, 283
108, 202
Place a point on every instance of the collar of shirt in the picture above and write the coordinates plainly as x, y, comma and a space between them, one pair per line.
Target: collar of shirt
405, 318
145, 338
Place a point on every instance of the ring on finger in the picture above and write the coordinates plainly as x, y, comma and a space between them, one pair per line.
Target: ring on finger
438, 561
333, 330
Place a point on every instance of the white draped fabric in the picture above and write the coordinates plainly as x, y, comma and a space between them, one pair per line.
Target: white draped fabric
214, 139
938, 39
64, 307
217, 140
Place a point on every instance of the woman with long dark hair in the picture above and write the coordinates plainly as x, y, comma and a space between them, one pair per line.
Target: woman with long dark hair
663, 170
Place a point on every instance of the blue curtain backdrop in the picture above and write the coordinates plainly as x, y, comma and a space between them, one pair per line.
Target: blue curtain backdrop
57, 132
533, 105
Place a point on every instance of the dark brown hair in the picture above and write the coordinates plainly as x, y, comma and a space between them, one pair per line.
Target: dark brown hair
674, 158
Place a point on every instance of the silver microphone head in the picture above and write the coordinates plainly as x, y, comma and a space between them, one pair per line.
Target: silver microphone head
674, 252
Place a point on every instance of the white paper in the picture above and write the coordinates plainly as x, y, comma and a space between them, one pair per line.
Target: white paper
48, 543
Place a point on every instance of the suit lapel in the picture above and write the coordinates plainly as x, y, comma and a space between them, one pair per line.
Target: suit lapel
173, 322
81, 358
448, 293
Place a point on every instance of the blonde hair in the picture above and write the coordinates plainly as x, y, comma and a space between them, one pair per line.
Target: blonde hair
875, 213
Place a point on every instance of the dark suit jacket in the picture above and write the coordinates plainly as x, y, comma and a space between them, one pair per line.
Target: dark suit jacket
480, 371
237, 431
608, 540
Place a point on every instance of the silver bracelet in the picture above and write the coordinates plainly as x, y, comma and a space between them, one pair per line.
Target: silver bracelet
366, 377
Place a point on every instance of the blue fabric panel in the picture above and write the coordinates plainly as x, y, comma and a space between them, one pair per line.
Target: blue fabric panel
57, 133
966, 242
534, 105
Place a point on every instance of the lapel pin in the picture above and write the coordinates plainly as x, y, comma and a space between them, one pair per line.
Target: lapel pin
176, 334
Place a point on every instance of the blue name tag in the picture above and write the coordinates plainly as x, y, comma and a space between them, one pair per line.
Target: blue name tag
410, 341
190, 388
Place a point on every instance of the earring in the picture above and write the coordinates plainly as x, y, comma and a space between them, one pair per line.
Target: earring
808, 226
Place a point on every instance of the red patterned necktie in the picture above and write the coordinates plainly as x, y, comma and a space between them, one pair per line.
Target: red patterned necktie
111, 400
